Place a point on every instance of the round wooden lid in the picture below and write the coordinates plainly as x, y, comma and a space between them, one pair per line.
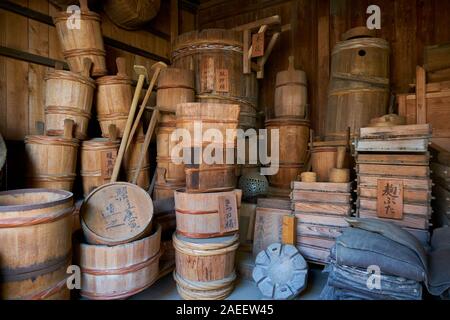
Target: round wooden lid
117, 212
358, 32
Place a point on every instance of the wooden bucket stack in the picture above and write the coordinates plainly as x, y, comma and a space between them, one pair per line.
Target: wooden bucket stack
175, 86
216, 56
36, 237
131, 15
394, 176
207, 210
82, 41
359, 83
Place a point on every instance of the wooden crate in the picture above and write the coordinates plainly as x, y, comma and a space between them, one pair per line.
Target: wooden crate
441, 174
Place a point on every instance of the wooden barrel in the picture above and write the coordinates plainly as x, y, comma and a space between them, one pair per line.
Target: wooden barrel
323, 159
83, 42
216, 56
51, 162
131, 15
131, 160
291, 94
359, 85
203, 215
293, 145
97, 162
114, 95
68, 95
36, 237
205, 268
175, 86
116, 213
120, 271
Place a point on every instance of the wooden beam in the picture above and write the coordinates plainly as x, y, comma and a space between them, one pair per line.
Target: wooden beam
262, 61
247, 58
421, 95
174, 17
29, 57
258, 23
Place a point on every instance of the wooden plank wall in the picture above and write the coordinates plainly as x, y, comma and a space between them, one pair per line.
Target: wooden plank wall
408, 25
22, 83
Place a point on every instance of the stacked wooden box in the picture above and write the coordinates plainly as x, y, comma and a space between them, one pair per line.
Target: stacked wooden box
320, 209
440, 172
393, 176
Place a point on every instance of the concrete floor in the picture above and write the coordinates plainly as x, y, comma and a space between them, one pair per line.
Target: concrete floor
165, 289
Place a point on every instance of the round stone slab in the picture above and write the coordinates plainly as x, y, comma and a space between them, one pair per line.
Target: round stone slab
281, 272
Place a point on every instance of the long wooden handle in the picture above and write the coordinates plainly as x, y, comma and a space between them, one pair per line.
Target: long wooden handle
121, 66
148, 138
126, 132
341, 152
289, 230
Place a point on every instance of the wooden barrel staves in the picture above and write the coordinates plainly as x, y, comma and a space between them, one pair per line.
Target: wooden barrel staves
82, 41
293, 144
51, 162
120, 271
205, 268
114, 95
216, 57
207, 215
97, 162
36, 237
68, 96
291, 94
131, 15
359, 85
175, 86
118, 215
323, 159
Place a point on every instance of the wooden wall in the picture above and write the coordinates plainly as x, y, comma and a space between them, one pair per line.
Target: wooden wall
408, 25
22, 83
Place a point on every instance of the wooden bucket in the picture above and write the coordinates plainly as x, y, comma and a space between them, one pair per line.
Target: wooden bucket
216, 57
291, 93
131, 160
175, 86
359, 85
205, 268
323, 159
108, 218
52, 162
293, 145
114, 95
203, 215
173, 172
97, 162
84, 42
131, 15
118, 272
36, 237
68, 96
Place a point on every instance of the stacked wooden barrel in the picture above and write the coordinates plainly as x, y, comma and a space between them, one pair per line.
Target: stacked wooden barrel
291, 126
359, 83
175, 86
207, 210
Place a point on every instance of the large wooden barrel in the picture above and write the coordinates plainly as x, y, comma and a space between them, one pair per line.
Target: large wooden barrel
293, 145
51, 162
36, 238
98, 157
216, 58
83, 42
68, 95
175, 86
114, 95
120, 271
203, 215
131, 15
205, 268
359, 85
131, 160
291, 94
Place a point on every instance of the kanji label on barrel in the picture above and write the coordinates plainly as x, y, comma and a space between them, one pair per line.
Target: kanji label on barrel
228, 213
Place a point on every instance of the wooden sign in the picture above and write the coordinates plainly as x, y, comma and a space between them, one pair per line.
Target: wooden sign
228, 214
108, 161
390, 199
222, 81
207, 74
258, 45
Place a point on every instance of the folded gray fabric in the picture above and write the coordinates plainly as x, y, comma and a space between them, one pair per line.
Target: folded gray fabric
393, 232
439, 262
361, 248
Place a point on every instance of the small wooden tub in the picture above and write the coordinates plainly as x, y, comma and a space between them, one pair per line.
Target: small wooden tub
205, 268
203, 215
36, 243
175, 86
121, 271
